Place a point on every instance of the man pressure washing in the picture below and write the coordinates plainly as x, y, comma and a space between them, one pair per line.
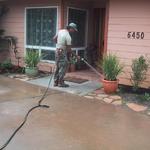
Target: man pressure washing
63, 52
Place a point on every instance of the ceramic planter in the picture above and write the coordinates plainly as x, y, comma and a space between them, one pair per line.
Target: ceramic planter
31, 71
72, 67
110, 86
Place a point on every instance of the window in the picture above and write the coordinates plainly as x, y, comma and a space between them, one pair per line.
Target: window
80, 18
48, 55
41, 26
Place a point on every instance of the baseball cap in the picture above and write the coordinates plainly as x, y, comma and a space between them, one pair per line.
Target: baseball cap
73, 25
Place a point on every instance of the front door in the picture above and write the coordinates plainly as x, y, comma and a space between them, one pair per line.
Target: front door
98, 31
79, 39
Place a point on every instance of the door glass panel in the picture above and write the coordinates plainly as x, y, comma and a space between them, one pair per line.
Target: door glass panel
79, 17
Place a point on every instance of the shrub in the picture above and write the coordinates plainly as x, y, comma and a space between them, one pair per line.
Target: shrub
145, 97
139, 70
6, 65
73, 59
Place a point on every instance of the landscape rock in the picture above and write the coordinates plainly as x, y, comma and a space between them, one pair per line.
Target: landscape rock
117, 103
98, 98
108, 100
136, 107
115, 97
89, 97
102, 95
91, 94
148, 113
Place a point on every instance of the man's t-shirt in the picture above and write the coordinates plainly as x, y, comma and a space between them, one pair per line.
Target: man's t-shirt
63, 39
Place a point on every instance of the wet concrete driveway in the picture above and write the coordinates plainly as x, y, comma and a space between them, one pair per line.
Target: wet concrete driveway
71, 122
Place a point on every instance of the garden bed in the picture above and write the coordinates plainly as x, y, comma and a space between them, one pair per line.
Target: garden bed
16, 72
141, 96
11, 69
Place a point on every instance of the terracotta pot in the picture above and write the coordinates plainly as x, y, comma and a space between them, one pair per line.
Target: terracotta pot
110, 86
72, 68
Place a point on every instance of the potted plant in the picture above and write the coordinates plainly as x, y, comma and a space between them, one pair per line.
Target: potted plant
111, 69
32, 58
73, 61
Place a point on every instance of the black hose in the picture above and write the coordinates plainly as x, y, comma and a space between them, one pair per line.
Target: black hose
28, 113
40, 106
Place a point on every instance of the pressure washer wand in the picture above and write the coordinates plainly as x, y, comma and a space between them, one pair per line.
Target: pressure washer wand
91, 67
82, 59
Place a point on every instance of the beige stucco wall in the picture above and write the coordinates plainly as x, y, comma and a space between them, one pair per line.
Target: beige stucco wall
129, 16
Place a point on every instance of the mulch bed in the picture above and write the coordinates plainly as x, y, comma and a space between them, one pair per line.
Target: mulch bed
13, 69
129, 95
19, 73
24, 77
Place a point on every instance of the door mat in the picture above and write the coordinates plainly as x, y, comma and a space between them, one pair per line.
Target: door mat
75, 80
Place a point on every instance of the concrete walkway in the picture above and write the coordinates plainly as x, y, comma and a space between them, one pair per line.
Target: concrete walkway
74, 88
71, 122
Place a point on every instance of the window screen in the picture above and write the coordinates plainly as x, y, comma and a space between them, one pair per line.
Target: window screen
78, 17
41, 26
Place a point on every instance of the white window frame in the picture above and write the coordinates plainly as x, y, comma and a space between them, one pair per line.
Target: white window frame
77, 49
40, 48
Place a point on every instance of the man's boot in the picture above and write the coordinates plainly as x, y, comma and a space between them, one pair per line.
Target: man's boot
62, 84
56, 83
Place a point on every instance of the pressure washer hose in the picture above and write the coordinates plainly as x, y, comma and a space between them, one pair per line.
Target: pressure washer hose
39, 105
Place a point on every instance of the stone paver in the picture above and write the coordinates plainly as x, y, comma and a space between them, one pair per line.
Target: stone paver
108, 100
115, 97
89, 97
117, 103
148, 113
116, 100
136, 107
92, 94
102, 95
98, 98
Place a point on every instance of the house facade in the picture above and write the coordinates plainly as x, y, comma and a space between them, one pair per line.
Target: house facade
121, 27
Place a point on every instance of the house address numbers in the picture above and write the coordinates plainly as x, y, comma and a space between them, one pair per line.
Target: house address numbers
135, 35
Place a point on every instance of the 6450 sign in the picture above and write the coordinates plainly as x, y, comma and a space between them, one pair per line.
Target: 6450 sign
135, 35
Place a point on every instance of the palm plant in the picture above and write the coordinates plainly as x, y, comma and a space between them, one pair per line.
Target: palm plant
32, 58
111, 67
